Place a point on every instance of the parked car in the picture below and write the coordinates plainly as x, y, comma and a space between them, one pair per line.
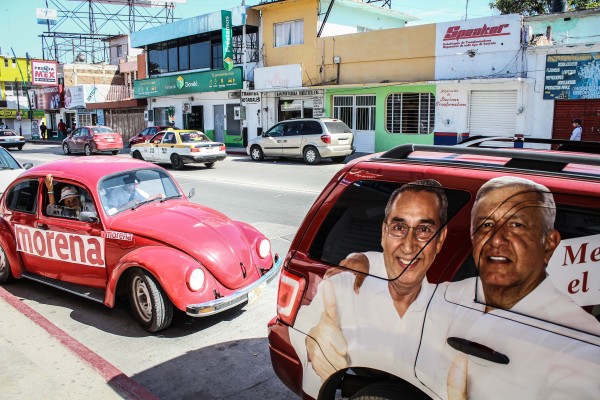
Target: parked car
93, 139
308, 138
147, 133
10, 169
135, 234
334, 339
10, 138
180, 147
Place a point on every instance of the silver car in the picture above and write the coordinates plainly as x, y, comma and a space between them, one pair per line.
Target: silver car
307, 138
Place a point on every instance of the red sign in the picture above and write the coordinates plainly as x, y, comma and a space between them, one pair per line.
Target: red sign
45, 73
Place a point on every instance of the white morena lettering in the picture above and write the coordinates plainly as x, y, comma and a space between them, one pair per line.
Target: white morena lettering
117, 235
61, 246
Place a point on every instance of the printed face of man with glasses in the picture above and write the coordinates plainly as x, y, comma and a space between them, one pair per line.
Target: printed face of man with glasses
413, 232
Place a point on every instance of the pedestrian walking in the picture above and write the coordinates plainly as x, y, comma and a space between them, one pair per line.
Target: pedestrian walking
43, 130
577, 130
62, 128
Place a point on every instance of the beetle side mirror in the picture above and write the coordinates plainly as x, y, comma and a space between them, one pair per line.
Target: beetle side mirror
192, 193
27, 165
88, 216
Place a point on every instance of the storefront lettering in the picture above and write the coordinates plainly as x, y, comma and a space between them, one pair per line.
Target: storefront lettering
449, 98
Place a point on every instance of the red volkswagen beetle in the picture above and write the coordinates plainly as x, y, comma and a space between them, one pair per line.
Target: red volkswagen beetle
129, 229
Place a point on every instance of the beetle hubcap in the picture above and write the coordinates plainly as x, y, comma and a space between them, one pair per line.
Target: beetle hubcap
142, 299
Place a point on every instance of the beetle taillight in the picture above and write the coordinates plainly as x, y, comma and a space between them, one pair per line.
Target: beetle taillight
326, 139
291, 288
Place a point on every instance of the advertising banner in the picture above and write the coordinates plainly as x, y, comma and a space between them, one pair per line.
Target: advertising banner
48, 98
572, 76
226, 34
44, 73
197, 82
491, 34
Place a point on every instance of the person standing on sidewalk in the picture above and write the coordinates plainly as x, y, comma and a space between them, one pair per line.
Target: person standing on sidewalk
577, 130
43, 130
62, 128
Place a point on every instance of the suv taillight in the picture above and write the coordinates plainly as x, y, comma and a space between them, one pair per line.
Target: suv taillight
291, 288
326, 139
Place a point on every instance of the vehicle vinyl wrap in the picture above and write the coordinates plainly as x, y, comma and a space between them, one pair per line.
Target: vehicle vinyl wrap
61, 246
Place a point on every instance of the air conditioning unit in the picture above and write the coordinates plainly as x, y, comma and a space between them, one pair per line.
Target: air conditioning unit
149, 115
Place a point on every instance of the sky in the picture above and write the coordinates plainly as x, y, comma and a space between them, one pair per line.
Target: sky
19, 29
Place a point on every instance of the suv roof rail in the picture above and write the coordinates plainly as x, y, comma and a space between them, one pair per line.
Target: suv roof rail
519, 159
557, 144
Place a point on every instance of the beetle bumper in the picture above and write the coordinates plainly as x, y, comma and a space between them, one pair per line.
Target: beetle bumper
224, 303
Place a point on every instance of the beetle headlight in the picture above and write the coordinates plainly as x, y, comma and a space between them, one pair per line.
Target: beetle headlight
264, 247
196, 280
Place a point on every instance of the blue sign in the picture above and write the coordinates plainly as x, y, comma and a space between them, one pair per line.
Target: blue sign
572, 76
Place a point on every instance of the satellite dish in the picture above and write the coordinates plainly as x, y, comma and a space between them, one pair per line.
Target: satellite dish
80, 57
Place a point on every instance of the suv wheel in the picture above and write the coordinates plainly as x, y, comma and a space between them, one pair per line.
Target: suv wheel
256, 153
311, 156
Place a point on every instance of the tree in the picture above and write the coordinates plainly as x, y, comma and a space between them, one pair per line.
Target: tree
535, 7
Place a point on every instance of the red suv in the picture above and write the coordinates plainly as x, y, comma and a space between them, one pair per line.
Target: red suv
469, 271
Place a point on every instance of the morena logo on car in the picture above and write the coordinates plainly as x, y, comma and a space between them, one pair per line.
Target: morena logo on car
61, 246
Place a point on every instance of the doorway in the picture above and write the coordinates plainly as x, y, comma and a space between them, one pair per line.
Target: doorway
195, 119
219, 120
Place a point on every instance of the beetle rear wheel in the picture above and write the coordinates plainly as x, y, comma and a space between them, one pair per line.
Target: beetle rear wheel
5, 274
149, 303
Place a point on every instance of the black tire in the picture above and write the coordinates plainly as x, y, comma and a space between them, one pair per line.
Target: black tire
256, 153
115, 152
150, 305
66, 149
176, 161
311, 155
20, 147
5, 274
87, 150
209, 164
137, 155
388, 391
338, 160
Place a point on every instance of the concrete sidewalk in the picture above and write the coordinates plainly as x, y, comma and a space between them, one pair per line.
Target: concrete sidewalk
39, 360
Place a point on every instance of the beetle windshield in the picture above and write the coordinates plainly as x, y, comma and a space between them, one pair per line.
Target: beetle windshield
128, 189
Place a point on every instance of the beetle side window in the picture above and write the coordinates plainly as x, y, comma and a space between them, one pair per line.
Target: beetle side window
23, 196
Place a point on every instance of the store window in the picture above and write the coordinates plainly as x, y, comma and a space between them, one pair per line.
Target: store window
158, 62
358, 112
410, 113
199, 55
289, 33
295, 108
217, 56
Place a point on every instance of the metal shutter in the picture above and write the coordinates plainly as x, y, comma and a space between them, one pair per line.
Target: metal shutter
493, 112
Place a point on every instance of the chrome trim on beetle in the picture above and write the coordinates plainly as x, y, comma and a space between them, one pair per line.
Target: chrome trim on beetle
238, 297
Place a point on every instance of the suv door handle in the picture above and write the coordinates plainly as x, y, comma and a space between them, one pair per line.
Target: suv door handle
477, 350
284, 141
42, 226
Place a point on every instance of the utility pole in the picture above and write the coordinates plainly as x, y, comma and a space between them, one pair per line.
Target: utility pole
467, 10
244, 43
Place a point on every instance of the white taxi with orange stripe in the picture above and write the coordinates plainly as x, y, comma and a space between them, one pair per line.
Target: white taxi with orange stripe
180, 147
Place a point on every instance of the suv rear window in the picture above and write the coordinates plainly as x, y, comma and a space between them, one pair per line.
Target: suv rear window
354, 223
337, 127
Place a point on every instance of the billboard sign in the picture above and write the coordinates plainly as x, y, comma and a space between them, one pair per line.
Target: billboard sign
572, 76
45, 73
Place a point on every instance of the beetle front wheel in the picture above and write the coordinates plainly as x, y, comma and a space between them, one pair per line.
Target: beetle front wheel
149, 303
5, 274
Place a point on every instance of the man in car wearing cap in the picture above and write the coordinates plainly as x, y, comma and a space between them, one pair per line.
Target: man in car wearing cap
69, 205
128, 193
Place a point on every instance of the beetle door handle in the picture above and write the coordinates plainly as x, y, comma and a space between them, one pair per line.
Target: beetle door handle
42, 226
477, 350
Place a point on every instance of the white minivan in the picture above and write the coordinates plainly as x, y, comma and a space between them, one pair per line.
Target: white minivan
307, 138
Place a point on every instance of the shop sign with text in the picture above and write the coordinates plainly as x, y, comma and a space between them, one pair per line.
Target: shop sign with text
572, 76
44, 73
209, 81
